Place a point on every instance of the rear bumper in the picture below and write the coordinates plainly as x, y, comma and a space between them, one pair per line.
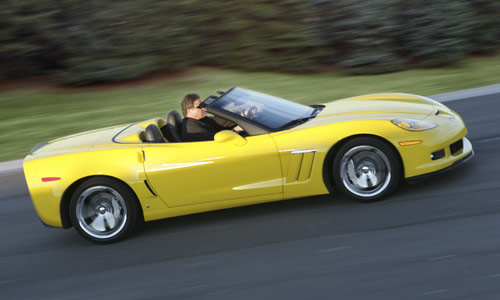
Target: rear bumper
47, 210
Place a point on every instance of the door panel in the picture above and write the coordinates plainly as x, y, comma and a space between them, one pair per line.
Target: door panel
201, 172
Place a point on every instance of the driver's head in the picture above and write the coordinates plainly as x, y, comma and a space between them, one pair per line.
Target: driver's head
190, 107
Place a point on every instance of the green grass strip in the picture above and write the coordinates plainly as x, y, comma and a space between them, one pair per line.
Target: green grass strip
33, 113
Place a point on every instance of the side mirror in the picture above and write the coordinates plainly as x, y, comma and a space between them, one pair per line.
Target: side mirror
229, 136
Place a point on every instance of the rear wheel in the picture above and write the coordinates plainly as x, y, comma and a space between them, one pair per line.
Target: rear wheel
103, 210
366, 169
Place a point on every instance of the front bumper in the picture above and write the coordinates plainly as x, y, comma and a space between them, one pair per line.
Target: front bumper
417, 179
440, 151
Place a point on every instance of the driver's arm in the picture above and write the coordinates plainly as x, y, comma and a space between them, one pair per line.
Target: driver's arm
226, 124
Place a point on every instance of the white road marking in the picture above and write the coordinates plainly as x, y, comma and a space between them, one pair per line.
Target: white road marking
441, 257
489, 140
319, 223
433, 292
201, 263
335, 249
9, 281
220, 227
199, 287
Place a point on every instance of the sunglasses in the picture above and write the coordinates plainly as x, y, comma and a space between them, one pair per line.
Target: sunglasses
202, 105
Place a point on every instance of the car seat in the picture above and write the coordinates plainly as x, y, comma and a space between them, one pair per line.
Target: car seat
172, 130
152, 134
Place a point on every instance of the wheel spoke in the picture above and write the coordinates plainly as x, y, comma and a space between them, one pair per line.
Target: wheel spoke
371, 180
88, 220
101, 212
110, 221
117, 209
362, 181
365, 171
98, 223
351, 172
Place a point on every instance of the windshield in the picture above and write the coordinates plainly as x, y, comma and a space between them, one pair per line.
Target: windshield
270, 111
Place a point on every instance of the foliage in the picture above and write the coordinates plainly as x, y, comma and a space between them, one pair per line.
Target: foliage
25, 38
435, 32
485, 32
110, 41
258, 35
361, 34
33, 114
101, 41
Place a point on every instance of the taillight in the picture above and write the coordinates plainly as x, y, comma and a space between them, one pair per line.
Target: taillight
47, 179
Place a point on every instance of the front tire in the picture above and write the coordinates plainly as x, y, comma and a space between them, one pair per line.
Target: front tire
366, 169
103, 210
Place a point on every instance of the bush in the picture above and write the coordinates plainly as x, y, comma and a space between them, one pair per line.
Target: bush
259, 35
103, 41
434, 32
485, 33
361, 34
99, 41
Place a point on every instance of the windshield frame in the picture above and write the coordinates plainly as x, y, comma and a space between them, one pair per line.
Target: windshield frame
274, 112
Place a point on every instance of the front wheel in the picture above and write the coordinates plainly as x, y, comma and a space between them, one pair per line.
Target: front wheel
103, 210
366, 169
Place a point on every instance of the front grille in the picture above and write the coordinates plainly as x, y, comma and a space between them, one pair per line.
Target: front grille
456, 147
437, 155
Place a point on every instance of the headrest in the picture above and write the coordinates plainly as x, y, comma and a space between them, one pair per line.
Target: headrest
174, 118
152, 134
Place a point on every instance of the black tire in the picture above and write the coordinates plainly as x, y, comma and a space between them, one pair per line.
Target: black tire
103, 210
366, 169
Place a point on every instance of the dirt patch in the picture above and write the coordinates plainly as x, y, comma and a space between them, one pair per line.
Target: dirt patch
48, 82
33, 82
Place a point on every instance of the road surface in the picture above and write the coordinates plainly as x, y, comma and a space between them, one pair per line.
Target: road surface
439, 239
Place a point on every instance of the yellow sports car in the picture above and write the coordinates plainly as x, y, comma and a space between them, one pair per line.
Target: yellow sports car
104, 182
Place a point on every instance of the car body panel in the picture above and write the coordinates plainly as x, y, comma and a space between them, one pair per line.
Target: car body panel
171, 179
198, 172
124, 163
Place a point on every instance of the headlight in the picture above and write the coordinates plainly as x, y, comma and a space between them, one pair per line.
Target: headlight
413, 125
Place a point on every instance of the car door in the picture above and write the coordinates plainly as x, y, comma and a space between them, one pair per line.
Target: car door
230, 168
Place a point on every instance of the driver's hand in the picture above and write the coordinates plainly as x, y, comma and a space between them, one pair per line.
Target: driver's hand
238, 129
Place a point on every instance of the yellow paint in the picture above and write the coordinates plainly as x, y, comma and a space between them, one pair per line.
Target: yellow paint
233, 170
199, 172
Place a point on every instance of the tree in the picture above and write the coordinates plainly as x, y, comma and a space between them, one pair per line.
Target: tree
485, 33
108, 41
259, 35
25, 38
434, 32
361, 34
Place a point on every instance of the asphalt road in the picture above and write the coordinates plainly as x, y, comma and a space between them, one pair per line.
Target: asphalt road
439, 239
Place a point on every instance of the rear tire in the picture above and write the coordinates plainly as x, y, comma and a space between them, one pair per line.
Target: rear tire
103, 210
366, 169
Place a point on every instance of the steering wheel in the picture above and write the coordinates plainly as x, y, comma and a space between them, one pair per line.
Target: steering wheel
250, 112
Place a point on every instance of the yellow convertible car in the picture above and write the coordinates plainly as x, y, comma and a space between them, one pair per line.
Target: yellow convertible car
104, 182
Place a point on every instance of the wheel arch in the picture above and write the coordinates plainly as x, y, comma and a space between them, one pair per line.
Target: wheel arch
328, 162
68, 193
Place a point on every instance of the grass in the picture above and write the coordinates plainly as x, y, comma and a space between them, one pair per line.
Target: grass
33, 113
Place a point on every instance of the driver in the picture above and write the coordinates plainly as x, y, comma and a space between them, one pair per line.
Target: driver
196, 126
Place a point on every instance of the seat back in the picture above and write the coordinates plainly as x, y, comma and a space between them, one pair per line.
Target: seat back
172, 130
152, 134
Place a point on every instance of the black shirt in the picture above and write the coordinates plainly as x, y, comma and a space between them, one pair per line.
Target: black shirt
203, 129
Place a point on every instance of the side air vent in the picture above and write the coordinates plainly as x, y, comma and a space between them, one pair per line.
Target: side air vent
300, 166
456, 147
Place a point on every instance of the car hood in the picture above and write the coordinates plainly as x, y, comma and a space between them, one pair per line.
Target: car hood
375, 106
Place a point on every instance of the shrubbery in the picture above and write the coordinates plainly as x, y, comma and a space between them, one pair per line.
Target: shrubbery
101, 41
